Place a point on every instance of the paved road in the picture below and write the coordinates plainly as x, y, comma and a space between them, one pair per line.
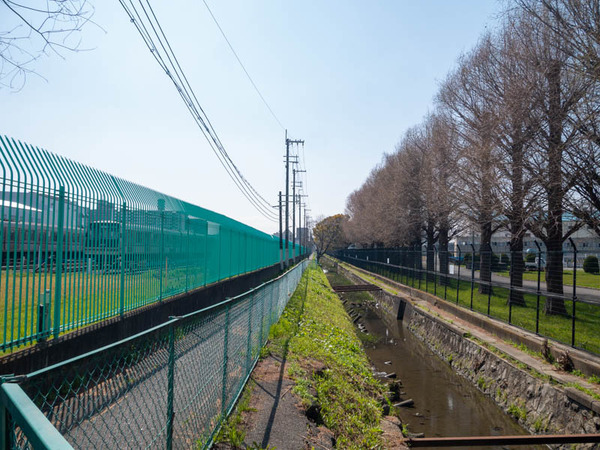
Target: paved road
583, 293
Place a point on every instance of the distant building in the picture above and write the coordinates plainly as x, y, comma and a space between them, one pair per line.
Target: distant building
586, 242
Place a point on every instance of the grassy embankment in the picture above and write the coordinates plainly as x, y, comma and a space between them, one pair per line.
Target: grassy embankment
587, 323
328, 364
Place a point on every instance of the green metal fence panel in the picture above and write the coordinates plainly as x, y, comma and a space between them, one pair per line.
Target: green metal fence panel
169, 387
22, 424
80, 245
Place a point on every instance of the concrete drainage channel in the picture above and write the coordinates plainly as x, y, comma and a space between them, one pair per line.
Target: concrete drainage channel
470, 405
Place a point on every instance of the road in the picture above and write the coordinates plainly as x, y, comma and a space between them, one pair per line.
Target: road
586, 294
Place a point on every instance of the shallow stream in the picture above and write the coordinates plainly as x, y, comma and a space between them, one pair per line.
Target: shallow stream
445, 404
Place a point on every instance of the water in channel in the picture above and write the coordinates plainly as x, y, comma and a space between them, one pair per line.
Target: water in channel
445, 403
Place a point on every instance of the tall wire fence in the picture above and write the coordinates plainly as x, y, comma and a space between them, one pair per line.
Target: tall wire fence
553, 294
80, 245
169, 387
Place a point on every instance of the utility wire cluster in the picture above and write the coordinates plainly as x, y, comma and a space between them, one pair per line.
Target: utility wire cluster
142, 16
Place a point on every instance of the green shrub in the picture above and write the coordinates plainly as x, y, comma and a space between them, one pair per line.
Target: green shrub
590, 264
530, 257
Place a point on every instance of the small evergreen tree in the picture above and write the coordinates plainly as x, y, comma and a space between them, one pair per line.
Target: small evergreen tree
590, 264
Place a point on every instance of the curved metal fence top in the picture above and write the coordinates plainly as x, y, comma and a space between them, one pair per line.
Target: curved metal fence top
26, 169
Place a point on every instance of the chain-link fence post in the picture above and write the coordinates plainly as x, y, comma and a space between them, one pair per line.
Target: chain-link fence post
262, 319
5, 431
170, 387
59, 260
225, 361
249, 344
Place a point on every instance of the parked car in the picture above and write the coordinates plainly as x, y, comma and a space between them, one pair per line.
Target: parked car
533, 265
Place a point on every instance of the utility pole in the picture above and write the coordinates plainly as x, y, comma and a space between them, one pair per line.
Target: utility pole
288, 142
280, 236
300, 224
299, 184
294, 214
307, 238
300, 216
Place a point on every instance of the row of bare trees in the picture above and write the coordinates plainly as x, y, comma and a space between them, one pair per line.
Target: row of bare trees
513, 142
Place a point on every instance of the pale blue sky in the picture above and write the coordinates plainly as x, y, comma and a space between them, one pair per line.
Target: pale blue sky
348, 77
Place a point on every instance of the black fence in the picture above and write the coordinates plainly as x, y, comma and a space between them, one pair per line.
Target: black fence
556, 295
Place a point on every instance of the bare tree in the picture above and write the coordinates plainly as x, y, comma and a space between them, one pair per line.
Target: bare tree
478, 159
35, 29
442, 137
560, 92
504, 84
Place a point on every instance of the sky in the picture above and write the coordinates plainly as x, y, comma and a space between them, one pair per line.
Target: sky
348, 77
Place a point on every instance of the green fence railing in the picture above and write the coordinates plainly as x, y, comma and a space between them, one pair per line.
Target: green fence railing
80, 245
168, 387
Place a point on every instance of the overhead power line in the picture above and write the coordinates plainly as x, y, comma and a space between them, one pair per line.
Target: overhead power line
242, 65
155, 39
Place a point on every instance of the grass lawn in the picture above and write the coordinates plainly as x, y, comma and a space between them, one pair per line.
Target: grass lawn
86, 298
584, 279
587, 323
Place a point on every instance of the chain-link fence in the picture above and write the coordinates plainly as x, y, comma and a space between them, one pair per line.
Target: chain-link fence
80, 245
553, 294
169, 387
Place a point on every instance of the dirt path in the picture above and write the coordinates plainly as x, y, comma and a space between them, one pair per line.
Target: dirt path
276, 418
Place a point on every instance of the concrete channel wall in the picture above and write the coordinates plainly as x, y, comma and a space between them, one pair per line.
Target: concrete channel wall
538, 402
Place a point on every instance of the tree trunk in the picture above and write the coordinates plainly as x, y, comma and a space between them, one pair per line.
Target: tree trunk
554, 232
517, 228
485, 258
554, 277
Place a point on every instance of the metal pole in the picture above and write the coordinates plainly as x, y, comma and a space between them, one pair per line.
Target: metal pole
294, 215
458, 274
162, 252
59, 260
287, 199
249, 343
539, 273
300, 226
472, 273
187, 265
574, 291
170, 387
5, 429
123, 250
435, 256
225, 361
280, 235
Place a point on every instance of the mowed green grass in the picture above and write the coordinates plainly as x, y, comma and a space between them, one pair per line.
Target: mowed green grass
85, 298
584, 279
587, 316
